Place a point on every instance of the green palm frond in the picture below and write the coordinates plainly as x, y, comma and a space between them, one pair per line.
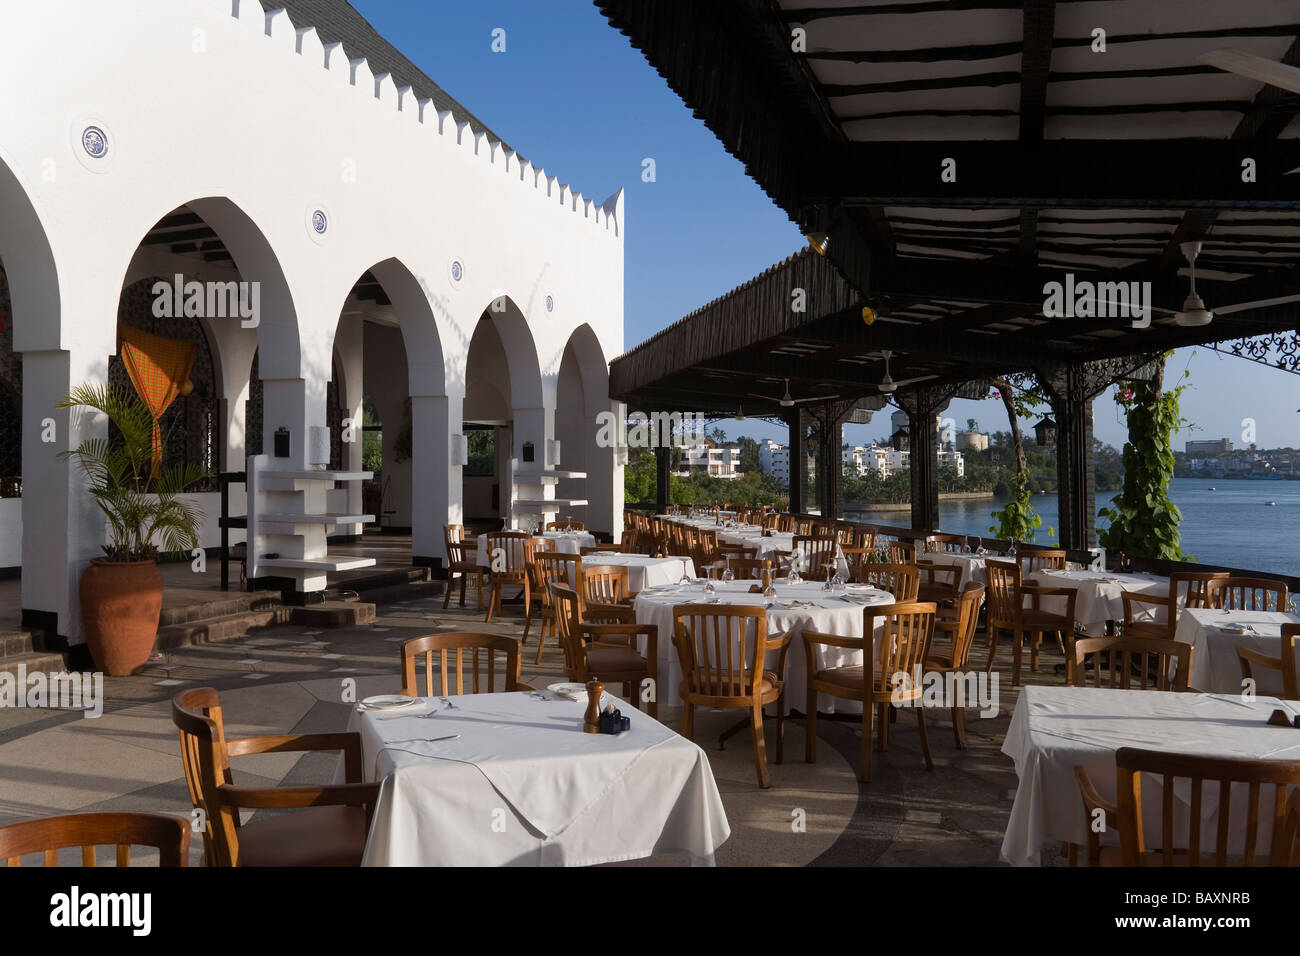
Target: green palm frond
140, 506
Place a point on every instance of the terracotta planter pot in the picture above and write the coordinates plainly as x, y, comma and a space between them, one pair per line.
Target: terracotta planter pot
120, 605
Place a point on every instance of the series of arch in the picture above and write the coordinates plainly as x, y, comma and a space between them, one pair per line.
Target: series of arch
296, 360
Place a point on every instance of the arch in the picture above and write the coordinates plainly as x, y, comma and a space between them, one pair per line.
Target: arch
29, 263
278, 334
426, 367
522, 363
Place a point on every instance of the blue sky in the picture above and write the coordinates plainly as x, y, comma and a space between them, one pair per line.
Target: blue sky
571, 94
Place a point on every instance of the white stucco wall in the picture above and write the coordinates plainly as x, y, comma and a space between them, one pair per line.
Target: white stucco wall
246, 118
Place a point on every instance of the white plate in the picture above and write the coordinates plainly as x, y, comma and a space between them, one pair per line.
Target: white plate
388, 701
570, 690
1236, 627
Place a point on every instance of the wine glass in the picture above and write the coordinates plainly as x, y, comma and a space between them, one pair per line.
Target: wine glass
796, 559
728, 574
831, 571
710, 591
838, 584
685, 579
967, 547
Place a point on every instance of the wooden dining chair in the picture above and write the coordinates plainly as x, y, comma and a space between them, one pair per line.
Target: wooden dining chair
1186, 589
1191, 588
1285, 663
902, 552
565, 526
816, 553
903, 581
552, 566
606, 584
883, 679
1033, 560
329, 824
169, 835
864, 538
722, 649
510, 555
461, 560
1132, 663
1007, 612
482, 647
938, 582
742, 569
770, 520
803, 527
949, 543
1235, 838
1246, 594
954, 658
606, 650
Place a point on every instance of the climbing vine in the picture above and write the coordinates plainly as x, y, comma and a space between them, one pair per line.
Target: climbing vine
1022, 397
1143, 520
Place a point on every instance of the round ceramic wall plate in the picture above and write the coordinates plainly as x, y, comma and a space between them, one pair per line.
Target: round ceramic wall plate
94, 144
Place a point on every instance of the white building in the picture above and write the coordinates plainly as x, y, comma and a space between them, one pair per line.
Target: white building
401, 250
972, 441
774, 459
873, 458
717, 461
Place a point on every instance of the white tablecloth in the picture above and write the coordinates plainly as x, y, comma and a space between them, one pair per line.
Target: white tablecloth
524, 786
1099, 598
642, 571
972, 565
1215, 666
564, 543
1055, 729
829, 614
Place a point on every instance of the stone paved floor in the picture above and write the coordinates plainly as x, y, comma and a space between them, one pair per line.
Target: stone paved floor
289, 679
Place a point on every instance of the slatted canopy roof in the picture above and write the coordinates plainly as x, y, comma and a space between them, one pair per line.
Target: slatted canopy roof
1061, 159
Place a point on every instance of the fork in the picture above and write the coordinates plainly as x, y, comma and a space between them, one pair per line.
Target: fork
432, 713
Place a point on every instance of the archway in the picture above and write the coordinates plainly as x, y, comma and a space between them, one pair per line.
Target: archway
581, 394
390, 364
504, 416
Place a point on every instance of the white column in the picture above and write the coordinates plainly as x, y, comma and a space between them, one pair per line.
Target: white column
436, 485
62, 526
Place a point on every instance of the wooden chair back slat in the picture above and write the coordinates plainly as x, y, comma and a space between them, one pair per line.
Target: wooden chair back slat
903, 581
605, 583
1042, 559
1151, 658
1236, 842
484, 649
1247, 594
721, 649
169, 835
816, 552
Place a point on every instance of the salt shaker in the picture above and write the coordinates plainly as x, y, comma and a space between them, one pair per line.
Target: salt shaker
591, 720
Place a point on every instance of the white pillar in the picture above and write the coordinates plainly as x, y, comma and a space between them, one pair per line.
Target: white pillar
437, 485
63, 527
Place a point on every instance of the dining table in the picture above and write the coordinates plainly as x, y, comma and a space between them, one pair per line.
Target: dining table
766, 544
1215, 636
794, 608
1055, 729
566, 542
642, 570
512, 779
1099, 596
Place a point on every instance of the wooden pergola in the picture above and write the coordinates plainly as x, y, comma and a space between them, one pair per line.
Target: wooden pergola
953, 160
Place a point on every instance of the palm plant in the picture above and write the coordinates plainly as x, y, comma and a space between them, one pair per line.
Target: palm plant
141, 500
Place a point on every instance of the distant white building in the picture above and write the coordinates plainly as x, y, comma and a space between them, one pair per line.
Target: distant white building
717, 461
948, 453
972, 441
774, 459
867, 458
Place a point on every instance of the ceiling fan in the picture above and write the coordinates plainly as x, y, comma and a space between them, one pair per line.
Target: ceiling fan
887, 384
1282, 75
785, 401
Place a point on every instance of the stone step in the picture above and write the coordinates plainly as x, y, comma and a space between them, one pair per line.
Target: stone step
222, 605
38, 661
353, 588
214, 629
16, 642
334, 614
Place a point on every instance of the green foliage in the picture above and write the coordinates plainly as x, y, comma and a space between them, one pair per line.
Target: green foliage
1018, 521
748, 454
482, 444
1144, 521
142, 504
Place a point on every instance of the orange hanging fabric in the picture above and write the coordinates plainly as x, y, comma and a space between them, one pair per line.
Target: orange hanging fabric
158, 367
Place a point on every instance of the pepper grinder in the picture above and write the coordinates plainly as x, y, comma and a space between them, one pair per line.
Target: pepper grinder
591, 720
